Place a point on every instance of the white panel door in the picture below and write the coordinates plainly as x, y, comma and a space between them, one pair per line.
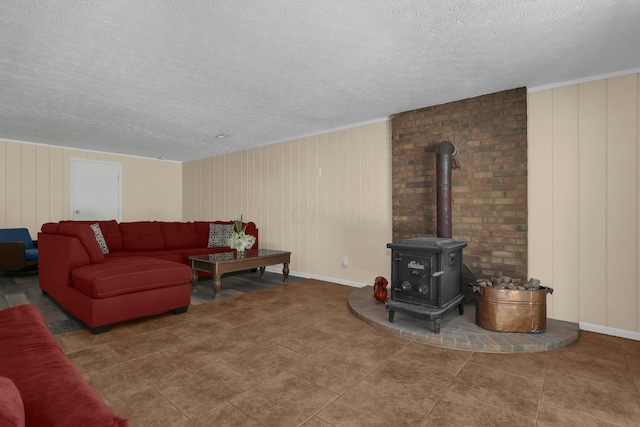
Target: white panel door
95, 190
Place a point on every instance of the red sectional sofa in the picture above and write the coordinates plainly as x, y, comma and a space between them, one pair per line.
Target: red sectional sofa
39, 386
144, 271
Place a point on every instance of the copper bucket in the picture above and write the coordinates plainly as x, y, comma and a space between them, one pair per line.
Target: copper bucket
508, 310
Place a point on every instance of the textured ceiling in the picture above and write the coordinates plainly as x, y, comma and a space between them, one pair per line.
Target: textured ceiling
163, 78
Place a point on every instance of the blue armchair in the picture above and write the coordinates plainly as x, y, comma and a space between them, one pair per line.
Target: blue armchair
18, 252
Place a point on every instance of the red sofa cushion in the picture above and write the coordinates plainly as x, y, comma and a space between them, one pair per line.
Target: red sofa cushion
165, 255
179, 235
141, 236
54, 393
110, 231
202, 230
50, 227
121, 275
11, 406
87, 237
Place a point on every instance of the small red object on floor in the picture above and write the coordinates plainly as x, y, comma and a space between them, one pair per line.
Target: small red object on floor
380, 289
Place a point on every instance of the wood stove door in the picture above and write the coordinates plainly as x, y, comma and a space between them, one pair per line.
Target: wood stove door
413, 279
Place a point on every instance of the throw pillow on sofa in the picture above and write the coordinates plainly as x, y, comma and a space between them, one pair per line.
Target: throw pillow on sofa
219, 234
100, 238
11, 405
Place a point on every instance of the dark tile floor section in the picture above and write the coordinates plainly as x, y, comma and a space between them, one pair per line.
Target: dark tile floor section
295, 355
460, 332
17, 290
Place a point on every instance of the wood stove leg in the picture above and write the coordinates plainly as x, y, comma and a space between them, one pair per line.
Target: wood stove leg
436, 325
391, 313
461, 308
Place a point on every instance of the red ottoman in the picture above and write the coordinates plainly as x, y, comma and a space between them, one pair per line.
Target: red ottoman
126, 288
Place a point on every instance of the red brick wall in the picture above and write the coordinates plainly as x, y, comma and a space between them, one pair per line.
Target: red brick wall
489, 206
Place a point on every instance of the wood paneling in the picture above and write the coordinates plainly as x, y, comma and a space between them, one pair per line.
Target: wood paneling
592, 198
346, 211
3, 180
583, 200
13, 195
565, 199
34, 185
621, 202
540, 198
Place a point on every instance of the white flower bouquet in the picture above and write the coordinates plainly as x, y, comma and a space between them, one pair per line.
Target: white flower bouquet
239, 240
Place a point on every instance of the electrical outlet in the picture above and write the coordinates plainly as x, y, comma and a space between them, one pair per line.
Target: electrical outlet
345, 261
319, 172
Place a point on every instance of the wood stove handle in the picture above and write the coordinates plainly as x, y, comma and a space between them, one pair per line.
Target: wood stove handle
437, 273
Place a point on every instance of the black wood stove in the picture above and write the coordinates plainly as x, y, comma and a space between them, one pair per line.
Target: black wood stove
426, 277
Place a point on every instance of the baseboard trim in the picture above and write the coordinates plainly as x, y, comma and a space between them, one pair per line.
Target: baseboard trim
622, 333
277, 270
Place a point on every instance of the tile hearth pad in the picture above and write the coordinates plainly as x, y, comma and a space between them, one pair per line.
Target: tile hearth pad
460, 332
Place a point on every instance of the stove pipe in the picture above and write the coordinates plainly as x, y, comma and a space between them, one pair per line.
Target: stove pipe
444, 154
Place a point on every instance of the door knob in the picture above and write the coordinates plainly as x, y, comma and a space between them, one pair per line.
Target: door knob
77, 211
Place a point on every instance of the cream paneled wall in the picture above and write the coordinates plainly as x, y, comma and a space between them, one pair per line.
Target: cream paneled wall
584, 200
35, 186
346, 211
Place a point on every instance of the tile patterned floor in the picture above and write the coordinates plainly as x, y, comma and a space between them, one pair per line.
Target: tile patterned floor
295, 355
24, 289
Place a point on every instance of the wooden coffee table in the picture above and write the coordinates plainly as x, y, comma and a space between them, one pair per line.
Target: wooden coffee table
226, 262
